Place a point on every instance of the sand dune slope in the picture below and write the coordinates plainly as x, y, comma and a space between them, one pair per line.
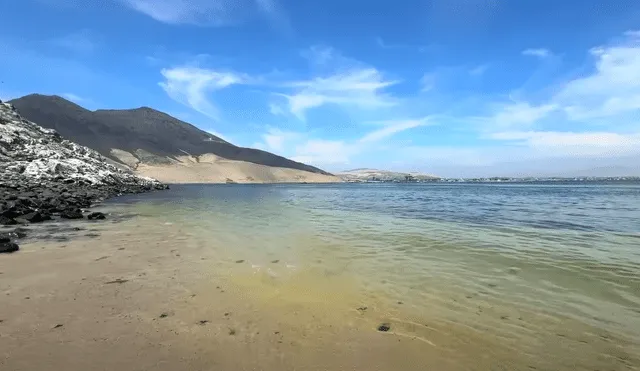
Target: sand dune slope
209, 168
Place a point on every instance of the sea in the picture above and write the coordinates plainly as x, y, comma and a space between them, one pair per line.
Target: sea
549, 272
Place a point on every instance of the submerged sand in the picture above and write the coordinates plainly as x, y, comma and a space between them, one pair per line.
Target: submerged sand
146, 296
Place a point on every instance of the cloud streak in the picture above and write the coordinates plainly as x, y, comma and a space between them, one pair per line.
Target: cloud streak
363, 88
321, 152
191, 86
540, 53
216, 13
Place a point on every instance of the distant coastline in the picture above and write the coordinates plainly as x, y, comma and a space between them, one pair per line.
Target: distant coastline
505, 180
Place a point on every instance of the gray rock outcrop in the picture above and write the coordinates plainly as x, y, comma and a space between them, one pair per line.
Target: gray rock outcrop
44, 176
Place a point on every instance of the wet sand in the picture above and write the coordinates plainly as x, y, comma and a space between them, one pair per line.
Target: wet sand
147, 297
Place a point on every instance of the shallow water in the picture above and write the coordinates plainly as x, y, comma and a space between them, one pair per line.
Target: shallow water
548, 271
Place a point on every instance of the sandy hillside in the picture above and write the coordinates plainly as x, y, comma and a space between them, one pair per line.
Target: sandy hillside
210, 168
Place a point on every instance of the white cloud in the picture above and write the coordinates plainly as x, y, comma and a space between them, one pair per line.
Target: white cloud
190, 86
206, 12
73, 97
575, 144
320, 152
276, 139
394, 127
276, 109
344, 81
323, 152
362, 88
320, 54
428, 82
272, 10
81, 42
516, 115
540, 53
612, 89
634, 34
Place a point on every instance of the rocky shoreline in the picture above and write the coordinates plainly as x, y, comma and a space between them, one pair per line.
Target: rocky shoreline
44, 177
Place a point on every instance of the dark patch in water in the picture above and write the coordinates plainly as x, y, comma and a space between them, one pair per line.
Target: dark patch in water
556, 224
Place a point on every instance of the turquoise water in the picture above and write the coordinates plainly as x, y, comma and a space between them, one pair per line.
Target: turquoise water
525, 261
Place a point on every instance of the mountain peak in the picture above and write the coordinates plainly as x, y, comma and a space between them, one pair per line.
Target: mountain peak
137, 131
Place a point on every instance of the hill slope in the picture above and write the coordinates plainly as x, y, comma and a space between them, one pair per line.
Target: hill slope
144, 136
361, 175
43, 174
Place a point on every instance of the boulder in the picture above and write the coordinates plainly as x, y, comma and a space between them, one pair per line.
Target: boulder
72, 213
7, 221
97, 216
8, 247
36, 217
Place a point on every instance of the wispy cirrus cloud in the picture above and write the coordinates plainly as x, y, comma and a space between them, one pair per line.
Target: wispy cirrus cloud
363, 88
73, 97
516, 114
305, 148
607, 98
192, 85
391, 127
346, 82
216, 13
349, 84
539, 52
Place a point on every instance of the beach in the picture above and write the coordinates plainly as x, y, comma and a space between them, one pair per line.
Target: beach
160, 286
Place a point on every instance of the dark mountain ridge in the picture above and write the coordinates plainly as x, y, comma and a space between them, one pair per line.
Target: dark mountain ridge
148, 134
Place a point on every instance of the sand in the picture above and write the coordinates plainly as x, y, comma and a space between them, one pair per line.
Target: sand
209, 168
130, 301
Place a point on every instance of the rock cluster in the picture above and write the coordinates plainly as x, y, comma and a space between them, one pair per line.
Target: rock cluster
43, 176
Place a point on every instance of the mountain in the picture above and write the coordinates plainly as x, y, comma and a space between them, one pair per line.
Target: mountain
362, 175
43, 174
150, 141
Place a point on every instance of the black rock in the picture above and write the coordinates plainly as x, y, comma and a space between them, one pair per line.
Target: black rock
8, 247
97, 216
4, 238
7, 221
18, 233
384, 327
74, 213
36, 217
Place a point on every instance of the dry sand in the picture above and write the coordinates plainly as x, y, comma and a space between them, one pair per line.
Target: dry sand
209, 168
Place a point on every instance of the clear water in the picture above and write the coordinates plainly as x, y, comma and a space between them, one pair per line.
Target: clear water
526, 262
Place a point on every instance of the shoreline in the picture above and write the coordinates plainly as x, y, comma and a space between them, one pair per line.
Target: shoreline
26, 202
150, 293
44, 177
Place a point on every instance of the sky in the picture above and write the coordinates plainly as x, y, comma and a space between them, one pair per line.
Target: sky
448, 87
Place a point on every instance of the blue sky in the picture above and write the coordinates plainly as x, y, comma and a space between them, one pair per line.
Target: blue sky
451, 87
